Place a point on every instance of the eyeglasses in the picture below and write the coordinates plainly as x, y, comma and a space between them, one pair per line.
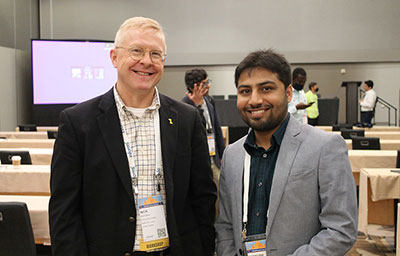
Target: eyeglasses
137, 53
208, 82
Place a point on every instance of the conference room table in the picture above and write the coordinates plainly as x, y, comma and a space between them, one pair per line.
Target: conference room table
27, 143
25, 180
23, 135
378, 128
38, 211
381, 135
385, 144
39, 156
378, 188
42, 128
398, 231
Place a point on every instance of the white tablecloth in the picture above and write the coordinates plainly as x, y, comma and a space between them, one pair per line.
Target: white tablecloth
384, 185
25, 180
37, 206
27, 143
372, 159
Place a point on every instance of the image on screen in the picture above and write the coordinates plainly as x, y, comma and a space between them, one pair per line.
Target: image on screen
70, 72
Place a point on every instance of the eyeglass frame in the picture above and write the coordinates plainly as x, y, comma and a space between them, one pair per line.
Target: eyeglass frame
129, 49
208, 82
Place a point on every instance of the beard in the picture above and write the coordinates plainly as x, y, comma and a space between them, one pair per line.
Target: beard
265, 123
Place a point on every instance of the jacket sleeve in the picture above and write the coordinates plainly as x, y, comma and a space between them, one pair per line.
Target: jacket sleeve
224, 225
65, 212
338, 214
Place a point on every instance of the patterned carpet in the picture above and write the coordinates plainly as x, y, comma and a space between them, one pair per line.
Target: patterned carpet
380, 241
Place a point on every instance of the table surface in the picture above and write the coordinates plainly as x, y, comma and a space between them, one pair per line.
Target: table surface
38, 211
24, 135
25, 180
376, 128
42, 128
27, 143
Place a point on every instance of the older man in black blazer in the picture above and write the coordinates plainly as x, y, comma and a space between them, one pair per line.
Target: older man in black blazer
128, 144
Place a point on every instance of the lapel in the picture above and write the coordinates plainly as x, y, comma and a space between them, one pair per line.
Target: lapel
287, 153
110, 128
169, 124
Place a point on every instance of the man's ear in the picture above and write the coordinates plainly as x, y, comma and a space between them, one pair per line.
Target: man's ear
113, 57
289, 92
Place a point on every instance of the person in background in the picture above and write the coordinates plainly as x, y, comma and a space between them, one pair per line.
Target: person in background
198, 85
298, 104
285, 188
131, 172
312, 98
368, 104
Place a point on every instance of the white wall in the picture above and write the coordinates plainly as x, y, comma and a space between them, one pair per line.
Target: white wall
8, 95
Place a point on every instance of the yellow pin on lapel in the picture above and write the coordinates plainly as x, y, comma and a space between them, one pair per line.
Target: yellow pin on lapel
170, 121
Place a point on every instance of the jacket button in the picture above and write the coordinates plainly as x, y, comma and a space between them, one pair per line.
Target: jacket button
128, 254
240, 252
131, 219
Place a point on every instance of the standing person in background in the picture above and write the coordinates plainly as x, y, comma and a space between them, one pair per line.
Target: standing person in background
198, 85
312, 98
298, 104
131, 173
368, 104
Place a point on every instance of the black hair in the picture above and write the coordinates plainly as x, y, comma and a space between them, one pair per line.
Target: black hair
298, 71
369, 83
194, 76
267, 59
311, 85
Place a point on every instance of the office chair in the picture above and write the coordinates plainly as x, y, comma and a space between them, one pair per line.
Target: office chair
52, 134
6, 155
16, 235
365, 143
338, 127
398, 159
27, 127
348, 133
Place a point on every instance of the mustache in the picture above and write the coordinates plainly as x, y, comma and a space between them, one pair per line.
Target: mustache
251, 108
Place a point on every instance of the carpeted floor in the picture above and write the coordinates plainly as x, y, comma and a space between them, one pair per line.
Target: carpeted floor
380, 241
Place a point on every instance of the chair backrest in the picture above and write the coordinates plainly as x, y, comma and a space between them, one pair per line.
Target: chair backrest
366, 143
27, 127
16, 235
338, 127
52, 134
348, 133
398, 159
6, 155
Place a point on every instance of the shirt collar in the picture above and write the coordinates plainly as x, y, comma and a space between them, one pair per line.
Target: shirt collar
122, 108
276, 139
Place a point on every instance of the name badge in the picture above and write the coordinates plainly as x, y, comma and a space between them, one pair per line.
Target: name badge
211, 144
154, 226
255, 245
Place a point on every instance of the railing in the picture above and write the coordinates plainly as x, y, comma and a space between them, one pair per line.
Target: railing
385, 104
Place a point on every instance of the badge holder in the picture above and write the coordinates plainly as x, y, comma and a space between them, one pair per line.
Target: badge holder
255, 245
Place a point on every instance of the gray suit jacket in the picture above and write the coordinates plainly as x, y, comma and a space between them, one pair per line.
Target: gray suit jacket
313, 206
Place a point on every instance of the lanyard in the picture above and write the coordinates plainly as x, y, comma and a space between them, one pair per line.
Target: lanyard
131, 160
246, 181
207, 116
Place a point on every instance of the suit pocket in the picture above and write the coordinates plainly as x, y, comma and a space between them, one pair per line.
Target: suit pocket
301, 175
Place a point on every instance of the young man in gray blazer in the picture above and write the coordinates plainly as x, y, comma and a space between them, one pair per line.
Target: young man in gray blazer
286, 186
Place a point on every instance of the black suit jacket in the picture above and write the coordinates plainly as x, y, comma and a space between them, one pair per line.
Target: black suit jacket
216, 126
91, 209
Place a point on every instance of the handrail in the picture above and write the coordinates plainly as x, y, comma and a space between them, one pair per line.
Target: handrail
385, 104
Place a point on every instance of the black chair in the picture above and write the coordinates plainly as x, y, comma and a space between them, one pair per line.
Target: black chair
398, 159
16, 235
27, 127
232, 97
366, 143
6, 155
338, 127
218, 97
52, 134
348, 133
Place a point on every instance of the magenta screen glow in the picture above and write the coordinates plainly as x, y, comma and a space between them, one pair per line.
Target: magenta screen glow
69, 72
